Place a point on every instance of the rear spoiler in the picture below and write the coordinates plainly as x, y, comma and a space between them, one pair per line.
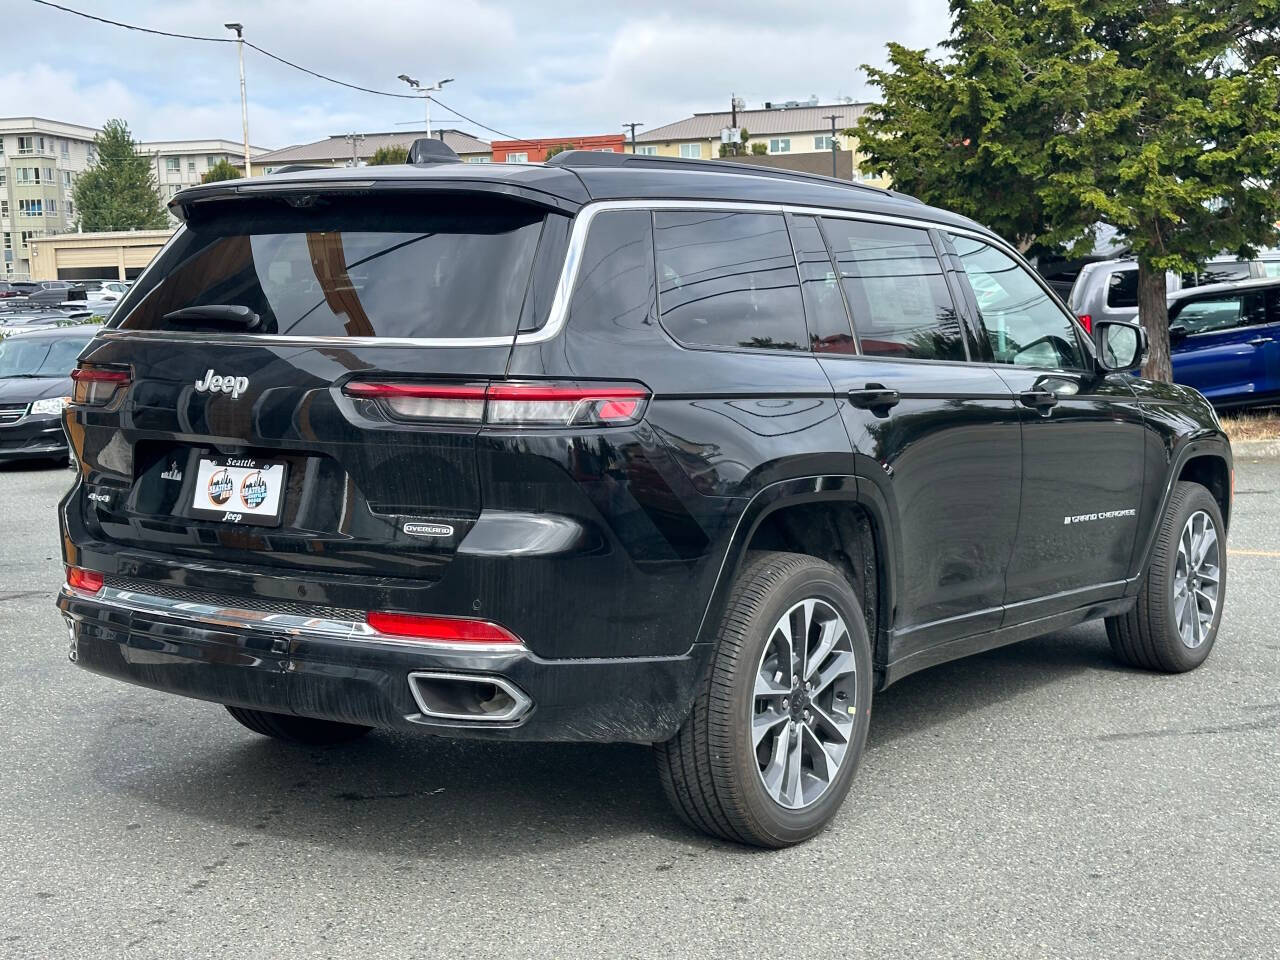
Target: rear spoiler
187, 203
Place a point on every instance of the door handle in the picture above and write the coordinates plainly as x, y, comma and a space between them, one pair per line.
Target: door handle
1259, 341
874, 396
1042, 400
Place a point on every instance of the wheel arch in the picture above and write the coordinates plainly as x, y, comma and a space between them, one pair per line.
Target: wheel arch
834, 518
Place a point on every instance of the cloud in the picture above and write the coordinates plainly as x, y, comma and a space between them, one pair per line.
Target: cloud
553, 68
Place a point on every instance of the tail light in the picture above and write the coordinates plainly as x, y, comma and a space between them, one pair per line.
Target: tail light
508, 404
440, 629
97, 386
1086, 321
84, 581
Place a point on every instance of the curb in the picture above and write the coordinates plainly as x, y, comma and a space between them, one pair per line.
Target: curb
1255, 448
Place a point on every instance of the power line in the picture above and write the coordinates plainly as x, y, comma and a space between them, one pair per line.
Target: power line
476, 122
341, 83
130, 26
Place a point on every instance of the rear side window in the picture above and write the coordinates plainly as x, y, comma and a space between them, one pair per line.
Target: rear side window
728, 280
441, 269
829, 329
1222, 313
896, 291
1122, 289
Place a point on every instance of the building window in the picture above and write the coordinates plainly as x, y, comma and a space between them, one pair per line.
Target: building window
517, 158
64, 147
66, 178
48, 174
173, 189
824, 142
26, 145
191, 166
3, 179
478, 160
31, 208
4, 208
24, 237
691, 151
780, 145
647, 151
71, 209
8, 240
53, 207
172, 164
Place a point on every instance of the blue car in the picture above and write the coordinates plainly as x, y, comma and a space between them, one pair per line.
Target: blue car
1225, 341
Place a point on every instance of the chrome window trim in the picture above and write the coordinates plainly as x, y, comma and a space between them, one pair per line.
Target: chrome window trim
559, 312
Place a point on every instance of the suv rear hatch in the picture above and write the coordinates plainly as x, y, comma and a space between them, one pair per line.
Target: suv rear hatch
215, 420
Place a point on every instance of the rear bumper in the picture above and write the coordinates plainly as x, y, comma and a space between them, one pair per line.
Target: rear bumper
316, 667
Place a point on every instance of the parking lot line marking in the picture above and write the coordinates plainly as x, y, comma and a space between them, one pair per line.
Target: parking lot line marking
1233, 552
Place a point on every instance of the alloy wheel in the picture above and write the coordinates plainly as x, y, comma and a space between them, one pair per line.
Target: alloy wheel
1196, 579
805, 703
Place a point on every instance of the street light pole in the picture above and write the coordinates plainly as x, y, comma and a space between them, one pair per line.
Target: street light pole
244, 101
833, 117
354, 139
425, 93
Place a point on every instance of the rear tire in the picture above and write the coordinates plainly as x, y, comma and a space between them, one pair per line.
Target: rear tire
768, 752
293, 729
1173, 626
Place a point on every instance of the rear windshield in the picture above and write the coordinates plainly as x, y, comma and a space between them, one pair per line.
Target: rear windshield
440, 269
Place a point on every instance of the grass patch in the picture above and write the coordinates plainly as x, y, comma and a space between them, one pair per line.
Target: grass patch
1261, 425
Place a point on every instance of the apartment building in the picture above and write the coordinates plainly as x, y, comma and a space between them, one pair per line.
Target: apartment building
785, 128
181, 163
345, 150
536, 151
39, 162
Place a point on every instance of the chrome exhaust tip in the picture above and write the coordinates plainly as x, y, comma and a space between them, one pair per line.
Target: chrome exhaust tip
468, 697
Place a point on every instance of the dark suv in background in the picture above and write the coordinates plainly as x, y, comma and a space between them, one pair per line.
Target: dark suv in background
616, 449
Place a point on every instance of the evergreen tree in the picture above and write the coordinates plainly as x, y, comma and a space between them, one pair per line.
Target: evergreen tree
118, 191
384, 156
222, 170
1047, 117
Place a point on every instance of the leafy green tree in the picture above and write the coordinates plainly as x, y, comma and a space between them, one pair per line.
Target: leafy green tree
118, 191
385, 156
1046, 117
560, 148
222, 170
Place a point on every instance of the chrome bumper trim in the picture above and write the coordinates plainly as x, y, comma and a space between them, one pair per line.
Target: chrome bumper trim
212, 616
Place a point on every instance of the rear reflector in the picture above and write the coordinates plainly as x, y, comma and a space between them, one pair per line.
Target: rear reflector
508, 404
85, 581
440, 629
1086, 321
96, 386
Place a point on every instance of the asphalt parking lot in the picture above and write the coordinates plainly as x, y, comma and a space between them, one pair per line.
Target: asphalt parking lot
1034, 801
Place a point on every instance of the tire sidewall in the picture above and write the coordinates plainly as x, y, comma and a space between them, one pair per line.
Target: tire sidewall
1162, 575
816, 579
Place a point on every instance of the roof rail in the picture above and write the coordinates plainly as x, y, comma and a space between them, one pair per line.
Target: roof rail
581, 159
426, 150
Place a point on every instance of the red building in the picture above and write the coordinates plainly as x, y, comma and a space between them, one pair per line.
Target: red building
535, 151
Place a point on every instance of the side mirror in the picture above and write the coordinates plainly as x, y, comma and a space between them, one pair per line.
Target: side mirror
1178, 332
1119, 345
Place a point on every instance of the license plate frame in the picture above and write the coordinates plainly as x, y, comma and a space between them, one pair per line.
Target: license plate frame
239, 490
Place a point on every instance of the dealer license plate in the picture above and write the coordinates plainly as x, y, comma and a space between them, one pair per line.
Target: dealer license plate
239, 490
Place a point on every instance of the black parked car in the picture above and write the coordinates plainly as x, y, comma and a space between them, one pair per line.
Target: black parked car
617, 448
35, 385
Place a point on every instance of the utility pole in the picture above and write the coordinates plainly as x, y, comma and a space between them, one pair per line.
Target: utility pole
354, 139
244, 101
633, 134
833, 117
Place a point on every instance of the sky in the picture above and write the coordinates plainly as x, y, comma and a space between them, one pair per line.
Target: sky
545, 68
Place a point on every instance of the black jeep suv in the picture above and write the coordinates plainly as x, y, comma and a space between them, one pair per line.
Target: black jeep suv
616, 448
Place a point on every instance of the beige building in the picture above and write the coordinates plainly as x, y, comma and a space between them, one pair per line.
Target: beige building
341, 151
95, 256
181, 163
39, 162
782, 128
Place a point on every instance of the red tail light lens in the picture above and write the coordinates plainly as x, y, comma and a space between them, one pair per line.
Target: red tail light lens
508, 404
1086, 321
458, 403
84, 581
440, 629
96, 386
